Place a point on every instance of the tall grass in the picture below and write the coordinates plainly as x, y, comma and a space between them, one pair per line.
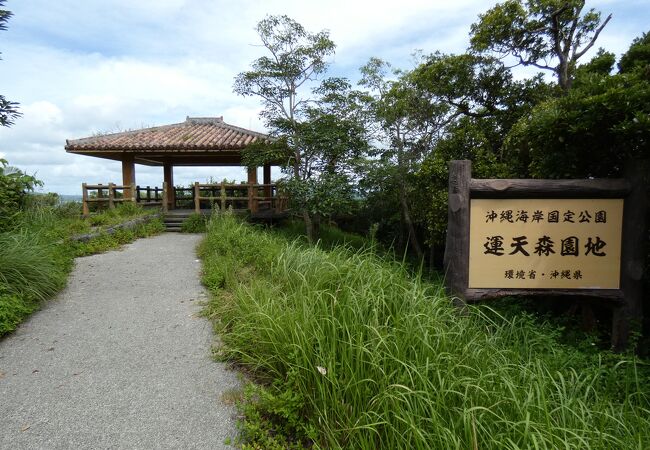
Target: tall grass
31, 270
328, 236
355, 353
29, 266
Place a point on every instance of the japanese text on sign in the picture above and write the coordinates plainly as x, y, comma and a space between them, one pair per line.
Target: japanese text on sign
548, 243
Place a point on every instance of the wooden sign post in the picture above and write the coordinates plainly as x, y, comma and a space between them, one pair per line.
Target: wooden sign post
547, 237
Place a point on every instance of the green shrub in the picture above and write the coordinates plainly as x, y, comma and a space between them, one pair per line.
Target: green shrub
29, 267
14, 188
13, 310
328, 237
116, 215
30, 271
195, 223
105, 242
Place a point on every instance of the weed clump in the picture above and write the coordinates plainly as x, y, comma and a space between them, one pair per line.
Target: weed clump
195, 223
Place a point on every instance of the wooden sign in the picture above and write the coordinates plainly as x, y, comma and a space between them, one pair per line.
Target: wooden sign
545, 243
548, 238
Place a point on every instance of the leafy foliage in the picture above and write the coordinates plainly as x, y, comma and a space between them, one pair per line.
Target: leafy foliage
318, 133
296, 58
14, 188
539, 32
328, 194
8, 109
195, 223
638, 55
603, 122
406, 124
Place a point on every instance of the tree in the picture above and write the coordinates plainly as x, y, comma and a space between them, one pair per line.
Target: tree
333, 139
637, 56
537, 32
407, 125
415, 111
296, 58
8, 110
593, 131
316, 129
483, 102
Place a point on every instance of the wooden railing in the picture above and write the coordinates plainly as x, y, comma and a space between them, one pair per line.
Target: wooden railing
251, 196
254, 197
112, 197
110, 194
149, 195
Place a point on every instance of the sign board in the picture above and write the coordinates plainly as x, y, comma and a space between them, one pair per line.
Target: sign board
583, 238
545, 243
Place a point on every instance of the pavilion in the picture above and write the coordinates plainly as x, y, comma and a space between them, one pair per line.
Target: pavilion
198, 141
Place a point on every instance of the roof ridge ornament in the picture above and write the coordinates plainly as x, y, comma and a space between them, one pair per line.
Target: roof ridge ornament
204, 120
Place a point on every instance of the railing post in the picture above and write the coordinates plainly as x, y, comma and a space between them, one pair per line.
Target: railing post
84, 200
165, 205
134, 193
100, 191
197, 198
252, 203
148, 194
223, 196
111, 195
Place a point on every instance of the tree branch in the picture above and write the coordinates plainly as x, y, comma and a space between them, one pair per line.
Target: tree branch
577, 56
572, 31
527, 62
555, 30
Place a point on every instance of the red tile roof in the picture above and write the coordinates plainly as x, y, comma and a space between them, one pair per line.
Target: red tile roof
196, 133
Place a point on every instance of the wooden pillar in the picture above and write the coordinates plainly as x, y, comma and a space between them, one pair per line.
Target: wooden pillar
252, 181
84, 200
111, 195
456, 260
267, 181
170, 199
163, 202
128, 173
222, 195
197, 198
633, 254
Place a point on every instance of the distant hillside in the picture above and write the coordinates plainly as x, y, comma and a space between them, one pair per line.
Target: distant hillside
65, 198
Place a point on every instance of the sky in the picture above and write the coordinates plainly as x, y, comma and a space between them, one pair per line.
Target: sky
82, 67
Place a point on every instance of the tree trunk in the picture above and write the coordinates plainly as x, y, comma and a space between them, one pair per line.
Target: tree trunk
412, 239
432, 258
400, 236
309, 226
564, 78
316, 221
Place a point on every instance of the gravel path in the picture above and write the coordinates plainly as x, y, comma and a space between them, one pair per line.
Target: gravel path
120, 359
